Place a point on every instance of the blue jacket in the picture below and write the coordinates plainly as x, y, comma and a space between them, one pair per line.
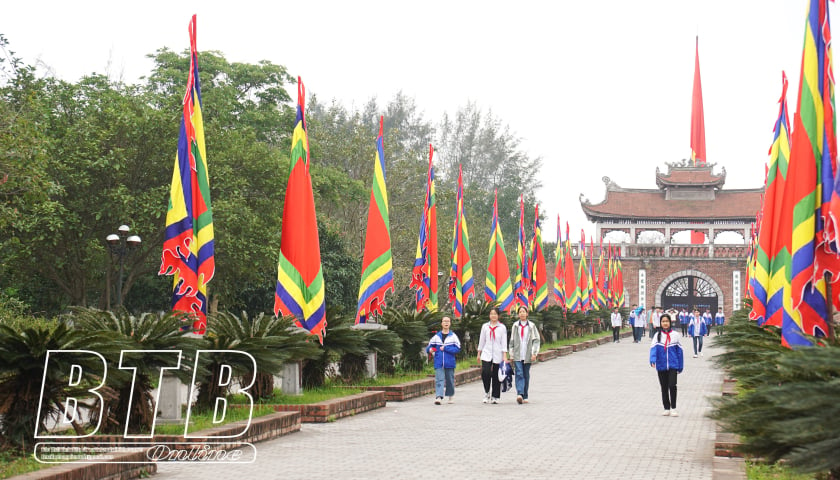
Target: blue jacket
666, 351
697, 328
444, 349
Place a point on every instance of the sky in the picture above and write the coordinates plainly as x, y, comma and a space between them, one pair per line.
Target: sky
593, 88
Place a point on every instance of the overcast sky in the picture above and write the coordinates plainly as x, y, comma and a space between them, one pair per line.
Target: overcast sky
594, 88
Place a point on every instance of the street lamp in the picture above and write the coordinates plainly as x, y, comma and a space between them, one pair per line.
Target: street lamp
122, 245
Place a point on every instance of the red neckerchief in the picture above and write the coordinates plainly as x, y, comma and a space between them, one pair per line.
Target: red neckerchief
492, 331
522, 330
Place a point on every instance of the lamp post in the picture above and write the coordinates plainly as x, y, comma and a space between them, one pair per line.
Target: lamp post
121, 245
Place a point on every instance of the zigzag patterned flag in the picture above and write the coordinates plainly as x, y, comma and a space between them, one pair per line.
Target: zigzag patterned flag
813, 153
601, 283
188, 245
424, 277
377, 268
497, 287
618, 289
300, 278
772, 252
461, 286
559, 291
522, 285
539, 277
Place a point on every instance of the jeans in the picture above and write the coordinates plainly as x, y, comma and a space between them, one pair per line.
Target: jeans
668, 385
698, 344
638, 333
616, 330
444, 376
490, 376
522, 375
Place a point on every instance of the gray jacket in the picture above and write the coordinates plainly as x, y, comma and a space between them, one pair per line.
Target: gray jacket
533, 339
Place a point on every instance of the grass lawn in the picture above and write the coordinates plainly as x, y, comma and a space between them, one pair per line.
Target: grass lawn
760, 471
12, 464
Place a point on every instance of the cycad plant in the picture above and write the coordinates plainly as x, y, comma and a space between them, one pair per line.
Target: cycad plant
23, 353
415, 329
262, 339
468, 327
148, 343
340, 340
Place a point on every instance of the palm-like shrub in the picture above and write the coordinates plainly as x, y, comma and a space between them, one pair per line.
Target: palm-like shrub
22, 360
154, 337
263, 339
414, 328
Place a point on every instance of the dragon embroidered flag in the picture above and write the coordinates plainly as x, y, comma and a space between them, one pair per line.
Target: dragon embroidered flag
497, 284
188, 246
300, 279
461, 286
377, 268
424, 278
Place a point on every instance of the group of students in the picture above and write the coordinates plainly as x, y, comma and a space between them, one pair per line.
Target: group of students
495, 351
694, 324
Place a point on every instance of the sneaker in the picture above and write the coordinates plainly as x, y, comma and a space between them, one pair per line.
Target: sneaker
437, 400
674, 413
666, 413
695, 355
450, 400
485, 400
525, 400
519, 399
701, 354
494, 401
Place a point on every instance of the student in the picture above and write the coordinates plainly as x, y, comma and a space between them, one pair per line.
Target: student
655, 313
666, 356
683, 322
720, 321
697, 330
444, 344
631, 321
708, 320
615, 321
492, 351
524, 347
639, 324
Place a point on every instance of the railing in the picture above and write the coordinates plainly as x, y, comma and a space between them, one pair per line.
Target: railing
649, 250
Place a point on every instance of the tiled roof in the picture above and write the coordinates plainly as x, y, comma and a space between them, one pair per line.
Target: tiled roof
651, 204
693, 176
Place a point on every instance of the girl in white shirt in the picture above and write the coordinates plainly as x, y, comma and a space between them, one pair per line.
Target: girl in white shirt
492, 351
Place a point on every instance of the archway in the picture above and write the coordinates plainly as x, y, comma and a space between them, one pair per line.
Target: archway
689, 289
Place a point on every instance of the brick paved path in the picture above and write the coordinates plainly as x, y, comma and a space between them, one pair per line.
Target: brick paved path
593, 415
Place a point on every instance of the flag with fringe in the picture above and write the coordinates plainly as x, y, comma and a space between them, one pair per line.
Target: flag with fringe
522, 284
539, 278
377, 264
559, 291
497, 287
583, 274
188, 245
573, 303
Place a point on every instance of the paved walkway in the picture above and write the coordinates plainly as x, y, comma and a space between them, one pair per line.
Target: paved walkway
593, 415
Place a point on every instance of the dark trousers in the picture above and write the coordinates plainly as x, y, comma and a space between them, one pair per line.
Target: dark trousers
616, 330
638, 333
490, 377
684, 329
668, 385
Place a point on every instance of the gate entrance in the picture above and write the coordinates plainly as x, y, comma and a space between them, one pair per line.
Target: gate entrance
690, 292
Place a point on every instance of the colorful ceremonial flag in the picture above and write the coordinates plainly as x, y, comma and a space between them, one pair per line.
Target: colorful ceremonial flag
377, 268
300, 278
539, 277
424, 275
812, 157
618, 287
559, 291
601, 283
497, 284
583, 275
188, 245
570, 282
698, 128
772, 252
522, 284
461, 286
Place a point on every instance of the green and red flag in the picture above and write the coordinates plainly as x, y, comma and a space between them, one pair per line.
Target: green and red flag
377, 264
300, 277
573, 303
188, 245
559, 291
497, 287
424, 275
461, 286
522, 284
583, 274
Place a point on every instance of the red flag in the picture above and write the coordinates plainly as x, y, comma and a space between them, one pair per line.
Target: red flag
698, 128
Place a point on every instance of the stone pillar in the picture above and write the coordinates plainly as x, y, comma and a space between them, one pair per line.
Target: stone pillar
169, 402
711, 242
370, 363
291, 375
